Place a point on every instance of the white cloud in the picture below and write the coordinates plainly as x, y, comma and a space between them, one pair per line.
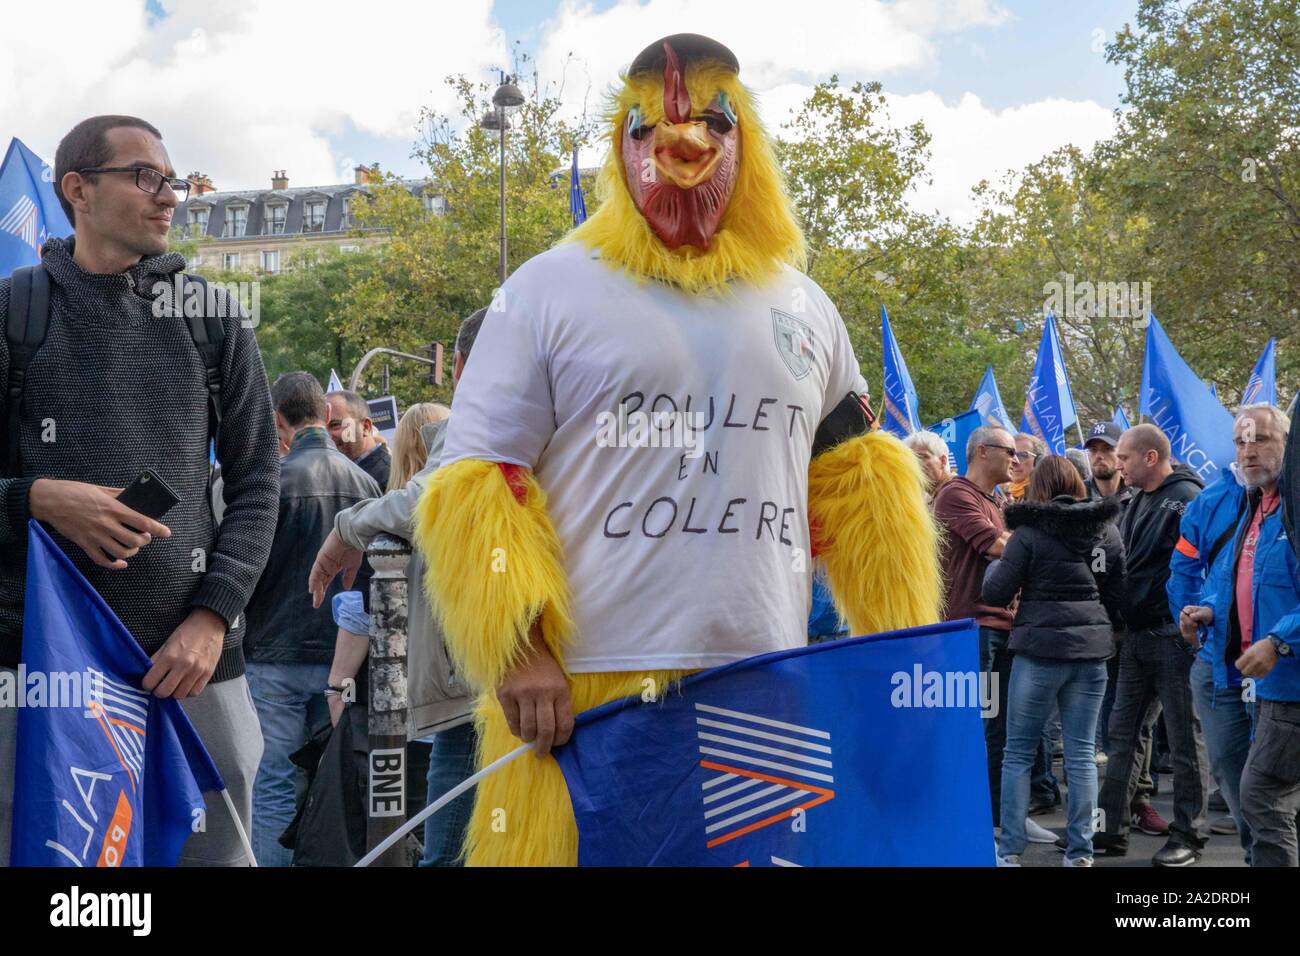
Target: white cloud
241, 87
970, 142
775, 41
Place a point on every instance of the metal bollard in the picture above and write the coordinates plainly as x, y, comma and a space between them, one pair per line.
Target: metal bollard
386, 797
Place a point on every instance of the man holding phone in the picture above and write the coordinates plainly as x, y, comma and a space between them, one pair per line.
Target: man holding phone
114, 391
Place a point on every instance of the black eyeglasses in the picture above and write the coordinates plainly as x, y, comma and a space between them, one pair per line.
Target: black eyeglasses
146, 179
1010, 450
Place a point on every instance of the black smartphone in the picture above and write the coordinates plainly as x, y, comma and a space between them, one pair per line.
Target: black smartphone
149, 495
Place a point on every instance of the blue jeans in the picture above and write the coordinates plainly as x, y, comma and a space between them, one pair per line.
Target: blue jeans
1077, 688
1227, 723
450, 762
290, 702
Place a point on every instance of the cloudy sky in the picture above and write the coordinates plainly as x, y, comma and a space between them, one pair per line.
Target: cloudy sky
242, 87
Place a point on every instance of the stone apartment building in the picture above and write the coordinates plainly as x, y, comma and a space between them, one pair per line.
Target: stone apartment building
260, 230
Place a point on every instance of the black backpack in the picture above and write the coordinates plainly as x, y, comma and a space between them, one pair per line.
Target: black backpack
29, 320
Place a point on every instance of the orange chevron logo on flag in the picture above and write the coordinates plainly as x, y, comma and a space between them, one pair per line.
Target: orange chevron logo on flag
758, 763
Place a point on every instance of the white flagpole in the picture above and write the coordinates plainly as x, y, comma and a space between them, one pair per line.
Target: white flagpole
239, 827
438, 804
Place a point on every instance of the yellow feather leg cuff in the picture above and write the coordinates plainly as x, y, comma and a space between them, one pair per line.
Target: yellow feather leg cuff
493, 565
877, 538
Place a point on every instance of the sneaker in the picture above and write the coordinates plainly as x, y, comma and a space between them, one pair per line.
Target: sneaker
1035, 833
1102, 759
1224, 826
1148, 821
1217, 803
1174, 854
1012, 860
1110, 844
1081, 861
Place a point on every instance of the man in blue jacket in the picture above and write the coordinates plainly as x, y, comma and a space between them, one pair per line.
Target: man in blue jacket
1250, 624
1200, 578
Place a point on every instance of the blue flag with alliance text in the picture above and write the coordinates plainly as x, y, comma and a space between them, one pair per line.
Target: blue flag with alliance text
1176, 401
29, 211
865, 751
106, 774
1045, 414
901, 416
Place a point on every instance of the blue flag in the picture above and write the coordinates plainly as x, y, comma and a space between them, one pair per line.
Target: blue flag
1120, 418
1069, 415
106, 774
901, 416
1045, 415
859, 752
988, 402
954, 432
1261, 387
29, 211
577, 205
1177, 401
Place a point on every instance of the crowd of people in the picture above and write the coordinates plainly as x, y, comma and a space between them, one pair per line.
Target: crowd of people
1122, 604
1116, 593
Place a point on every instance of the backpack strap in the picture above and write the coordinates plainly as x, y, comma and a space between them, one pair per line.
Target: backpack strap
209, 334
26, 323
1228, 534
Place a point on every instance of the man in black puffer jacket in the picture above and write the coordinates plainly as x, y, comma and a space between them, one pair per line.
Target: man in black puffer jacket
1066, 562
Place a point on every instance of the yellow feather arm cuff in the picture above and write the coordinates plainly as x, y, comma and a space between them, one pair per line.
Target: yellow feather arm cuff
875, 534
493, 565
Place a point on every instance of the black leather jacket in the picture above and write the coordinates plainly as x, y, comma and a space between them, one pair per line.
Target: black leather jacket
317, 481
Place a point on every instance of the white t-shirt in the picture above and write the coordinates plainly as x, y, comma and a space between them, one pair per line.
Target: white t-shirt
685, 537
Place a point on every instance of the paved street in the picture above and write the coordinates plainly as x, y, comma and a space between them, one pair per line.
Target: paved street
1219, 850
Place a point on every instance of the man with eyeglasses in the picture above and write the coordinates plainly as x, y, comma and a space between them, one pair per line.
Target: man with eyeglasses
971, 513
121, 387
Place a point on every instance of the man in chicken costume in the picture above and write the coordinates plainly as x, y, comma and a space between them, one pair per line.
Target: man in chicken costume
570, 569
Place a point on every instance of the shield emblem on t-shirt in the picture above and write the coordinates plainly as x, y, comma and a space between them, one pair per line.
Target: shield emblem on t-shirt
793, 342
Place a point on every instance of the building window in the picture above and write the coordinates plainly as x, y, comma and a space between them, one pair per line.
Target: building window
236, 221
347, 214
270, 260
435, 204
313, 216
199, 222
275, 216
230, 261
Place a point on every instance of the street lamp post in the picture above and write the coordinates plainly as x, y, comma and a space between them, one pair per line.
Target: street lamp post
506, 97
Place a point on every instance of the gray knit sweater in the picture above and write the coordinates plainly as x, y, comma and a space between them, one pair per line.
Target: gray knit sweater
118, 391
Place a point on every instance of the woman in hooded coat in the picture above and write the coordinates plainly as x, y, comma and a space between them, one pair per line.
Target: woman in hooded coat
1066, 560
